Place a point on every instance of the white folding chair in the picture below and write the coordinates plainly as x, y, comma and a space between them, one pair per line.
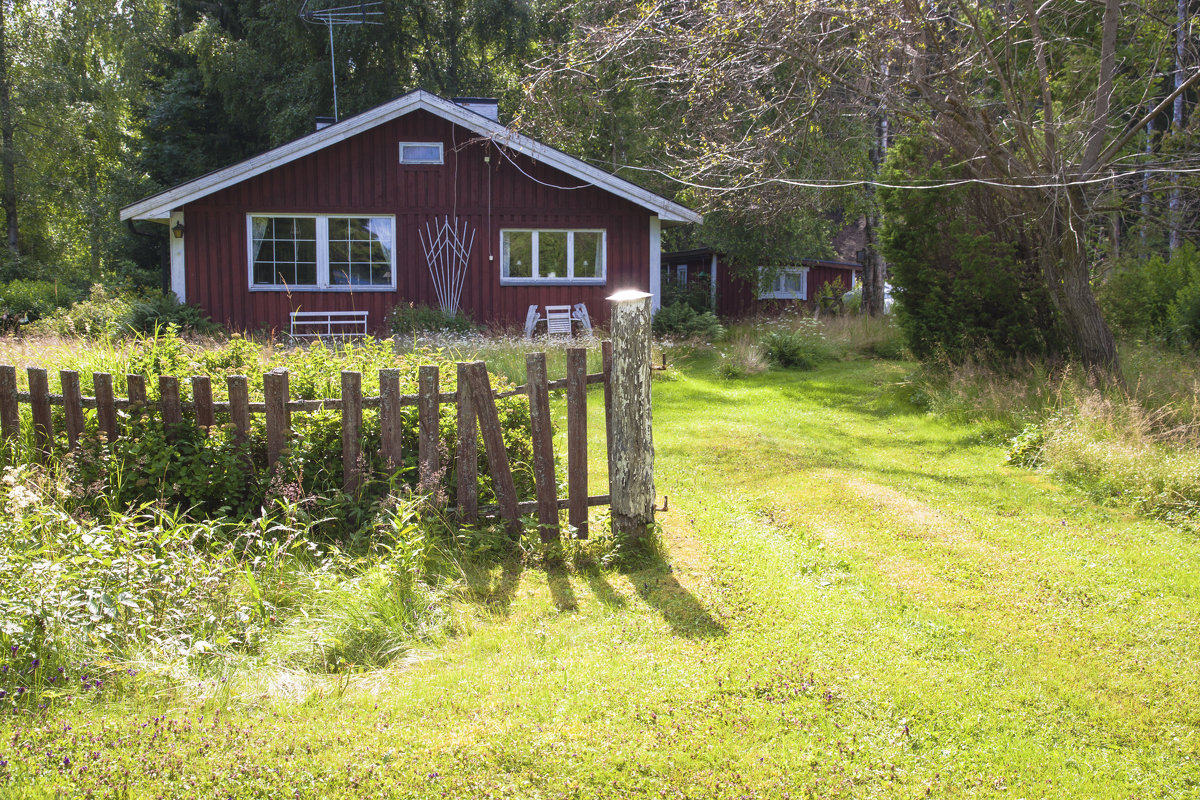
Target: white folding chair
580, 314
531, 321
558, 320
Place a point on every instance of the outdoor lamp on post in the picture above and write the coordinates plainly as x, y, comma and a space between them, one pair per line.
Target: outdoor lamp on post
177, 229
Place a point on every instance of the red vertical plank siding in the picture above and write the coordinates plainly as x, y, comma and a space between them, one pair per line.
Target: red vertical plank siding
362, 175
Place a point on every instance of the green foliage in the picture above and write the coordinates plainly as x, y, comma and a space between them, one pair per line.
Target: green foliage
683, 320
965, 283
408, 318
696, 293
31, 300
160, 310
107, 313
806, 347
1026, 449
1154, 297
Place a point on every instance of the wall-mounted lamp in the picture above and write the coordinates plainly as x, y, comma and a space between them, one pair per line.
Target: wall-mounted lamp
177, 229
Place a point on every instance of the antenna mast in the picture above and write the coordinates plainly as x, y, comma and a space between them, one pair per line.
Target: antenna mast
361, 13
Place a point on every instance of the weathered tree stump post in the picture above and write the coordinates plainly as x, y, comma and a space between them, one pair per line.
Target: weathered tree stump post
632, 442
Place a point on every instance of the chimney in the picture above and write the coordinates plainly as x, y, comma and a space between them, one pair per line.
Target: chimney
485, 106
324, 122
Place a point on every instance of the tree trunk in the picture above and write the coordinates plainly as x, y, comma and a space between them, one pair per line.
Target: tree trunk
874, 270
1065, 267
8, 196
1177, 120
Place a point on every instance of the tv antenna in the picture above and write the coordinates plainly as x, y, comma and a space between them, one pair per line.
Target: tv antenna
365, 12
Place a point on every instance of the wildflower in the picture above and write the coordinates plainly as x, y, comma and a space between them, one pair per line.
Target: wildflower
3, 694
4, 669
67, 762
13, 650
37, 662
20, 691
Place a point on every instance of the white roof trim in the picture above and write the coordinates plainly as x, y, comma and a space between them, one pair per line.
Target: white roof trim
160, 206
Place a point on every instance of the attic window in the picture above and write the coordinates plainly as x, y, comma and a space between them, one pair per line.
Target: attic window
420, 152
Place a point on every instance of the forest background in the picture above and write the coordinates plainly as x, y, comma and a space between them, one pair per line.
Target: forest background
1059, 139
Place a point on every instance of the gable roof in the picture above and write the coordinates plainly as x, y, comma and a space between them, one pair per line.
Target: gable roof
159, 206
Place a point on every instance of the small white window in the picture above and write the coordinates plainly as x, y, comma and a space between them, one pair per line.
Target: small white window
681, 274
783, 283
321, 252
551, 256
420, 152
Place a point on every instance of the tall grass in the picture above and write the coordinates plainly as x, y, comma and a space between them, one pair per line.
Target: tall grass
1136, 445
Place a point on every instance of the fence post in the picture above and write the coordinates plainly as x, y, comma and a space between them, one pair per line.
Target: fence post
10, 413
577, 459
351, 428
427, 420
606, 362
479, 385
239, 404
202, 397
39, 399
543, 445
137, 389
632, 443
106, 405
391, 427
169, 403
467, 454
279, 417
72, 406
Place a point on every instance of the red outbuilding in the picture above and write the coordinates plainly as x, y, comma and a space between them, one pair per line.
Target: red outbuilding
420, 200
734, 294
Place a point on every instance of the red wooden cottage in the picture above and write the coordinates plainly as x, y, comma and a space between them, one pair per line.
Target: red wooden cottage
733, 295
419, 200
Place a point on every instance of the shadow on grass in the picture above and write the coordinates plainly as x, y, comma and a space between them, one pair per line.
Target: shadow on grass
656, 584
560, 588
604, 591
493, 591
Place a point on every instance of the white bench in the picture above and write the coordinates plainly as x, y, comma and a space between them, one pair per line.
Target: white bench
328, 324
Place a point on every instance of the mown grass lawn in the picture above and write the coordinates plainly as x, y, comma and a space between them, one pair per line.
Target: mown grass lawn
855, 600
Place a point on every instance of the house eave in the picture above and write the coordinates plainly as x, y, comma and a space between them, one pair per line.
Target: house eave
159, 207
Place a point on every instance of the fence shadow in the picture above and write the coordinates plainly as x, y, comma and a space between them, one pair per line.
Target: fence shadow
496, 592
657, 585
603, 590
561, 590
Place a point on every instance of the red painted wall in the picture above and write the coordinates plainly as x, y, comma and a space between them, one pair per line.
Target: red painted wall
737, 297
362, 175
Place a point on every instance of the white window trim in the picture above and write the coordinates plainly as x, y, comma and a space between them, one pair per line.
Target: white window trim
441, 156
323, 284
570, 277
773, 294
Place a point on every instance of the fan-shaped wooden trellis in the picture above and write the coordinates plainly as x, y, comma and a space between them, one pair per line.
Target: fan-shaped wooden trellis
447, 248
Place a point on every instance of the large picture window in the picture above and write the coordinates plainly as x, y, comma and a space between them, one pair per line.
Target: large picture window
783, 283
322, 252
552, 256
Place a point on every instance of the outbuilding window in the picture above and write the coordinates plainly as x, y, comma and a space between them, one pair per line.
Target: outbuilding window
552, 256
321, 252
783, 283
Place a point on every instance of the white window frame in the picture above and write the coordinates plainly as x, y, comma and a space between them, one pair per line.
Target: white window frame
441, 156
774, 292
537, 277
323, 283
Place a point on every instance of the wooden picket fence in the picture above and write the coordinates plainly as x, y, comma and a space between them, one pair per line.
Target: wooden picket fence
475, 401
